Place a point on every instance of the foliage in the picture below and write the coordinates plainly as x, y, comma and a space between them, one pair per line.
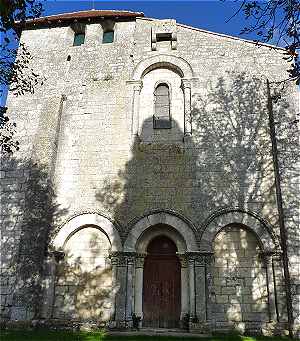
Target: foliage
12, 11
46, 335
7, 130
276, 22
15, 71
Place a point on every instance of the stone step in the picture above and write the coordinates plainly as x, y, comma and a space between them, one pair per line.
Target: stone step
158, 332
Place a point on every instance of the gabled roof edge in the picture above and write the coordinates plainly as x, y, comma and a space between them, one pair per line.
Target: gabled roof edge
233, 37
221, 35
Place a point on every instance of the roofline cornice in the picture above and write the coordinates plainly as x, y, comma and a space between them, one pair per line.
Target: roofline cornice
81, 16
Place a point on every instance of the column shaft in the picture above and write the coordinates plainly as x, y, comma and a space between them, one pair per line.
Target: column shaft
129, 287
138, 292
192, 288
184, 286
186, 86
119, 262
184, 292
136, 108
271, 287
200, 298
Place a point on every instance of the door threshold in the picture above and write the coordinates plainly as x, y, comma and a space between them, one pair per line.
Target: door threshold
158, 332
162, 330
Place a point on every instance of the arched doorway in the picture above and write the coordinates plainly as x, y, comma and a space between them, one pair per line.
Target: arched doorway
162, 285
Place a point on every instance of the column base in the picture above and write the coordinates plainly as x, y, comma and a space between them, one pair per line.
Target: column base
120, 325
187, 138
274, 328
199, 327
184, 321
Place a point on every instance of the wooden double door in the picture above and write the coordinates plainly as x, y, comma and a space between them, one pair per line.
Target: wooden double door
162, 285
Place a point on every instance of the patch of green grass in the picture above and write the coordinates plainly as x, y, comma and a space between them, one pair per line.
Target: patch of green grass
44, 335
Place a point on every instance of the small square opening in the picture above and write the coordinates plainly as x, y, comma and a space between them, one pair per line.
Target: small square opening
108, 37
163, 37
78, 39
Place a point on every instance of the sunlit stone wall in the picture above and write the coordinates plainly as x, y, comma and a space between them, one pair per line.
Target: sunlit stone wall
239, 279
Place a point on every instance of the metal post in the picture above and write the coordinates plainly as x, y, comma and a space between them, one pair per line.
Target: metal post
283, 234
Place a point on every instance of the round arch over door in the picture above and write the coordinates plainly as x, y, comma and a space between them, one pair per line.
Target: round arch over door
162, 285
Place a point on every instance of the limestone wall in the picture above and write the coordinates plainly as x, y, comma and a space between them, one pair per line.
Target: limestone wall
76, 130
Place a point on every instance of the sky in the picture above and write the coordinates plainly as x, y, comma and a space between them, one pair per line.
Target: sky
209, 15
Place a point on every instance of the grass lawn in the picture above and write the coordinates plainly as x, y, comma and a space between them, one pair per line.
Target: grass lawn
98, 336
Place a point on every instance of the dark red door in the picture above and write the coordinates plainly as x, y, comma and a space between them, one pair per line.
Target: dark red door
162, 285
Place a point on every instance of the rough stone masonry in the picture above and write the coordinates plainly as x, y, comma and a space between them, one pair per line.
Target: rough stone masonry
145, 174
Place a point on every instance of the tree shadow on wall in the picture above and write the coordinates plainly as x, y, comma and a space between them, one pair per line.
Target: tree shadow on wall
84, 287
240, 299
29, 216
232, 129
155, 177
231, 120
226, 163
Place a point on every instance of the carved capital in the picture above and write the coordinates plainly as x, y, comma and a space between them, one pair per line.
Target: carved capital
185, 83
126, 258
130, 257
183, 260
140, 260
268, 256
277, 256
118, 259
199, 258
58, 255
137, 85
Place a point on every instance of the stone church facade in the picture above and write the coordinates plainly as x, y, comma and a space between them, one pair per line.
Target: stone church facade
144, 184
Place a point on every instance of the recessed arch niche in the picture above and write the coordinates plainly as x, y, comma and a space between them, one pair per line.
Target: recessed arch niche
155, 76
165, 69
240, 284
84, 287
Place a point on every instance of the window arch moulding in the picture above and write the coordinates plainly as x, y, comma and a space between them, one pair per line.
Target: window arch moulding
182, 69
181, 65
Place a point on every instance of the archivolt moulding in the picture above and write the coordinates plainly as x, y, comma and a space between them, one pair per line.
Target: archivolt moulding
144, 229
88, 219
180, 65
218, 220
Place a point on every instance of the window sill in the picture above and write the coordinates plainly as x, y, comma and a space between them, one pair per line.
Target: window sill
173, 147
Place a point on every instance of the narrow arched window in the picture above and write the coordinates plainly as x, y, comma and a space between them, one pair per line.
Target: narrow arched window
162, 115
